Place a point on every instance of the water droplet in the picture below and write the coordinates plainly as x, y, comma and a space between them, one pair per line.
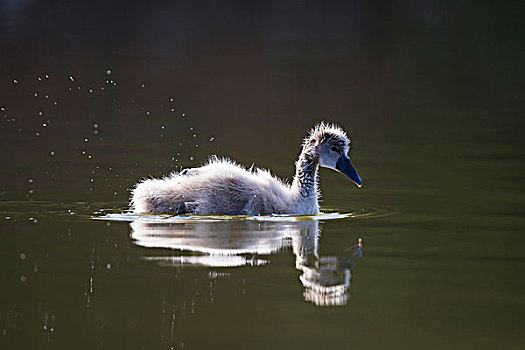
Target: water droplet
23, 279
15, 81
171, 99
35, 94
23, 256
95, 125
37, 133
108, 266
40, 113
71, 78
108, 72
52, 153
8, 218
30, 180
86, 139
39, 79
191, 158
147, 113
47, 76
90, 91
142, 85
212, 138
183, 114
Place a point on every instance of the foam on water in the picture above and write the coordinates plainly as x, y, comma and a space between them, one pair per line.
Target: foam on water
165, 218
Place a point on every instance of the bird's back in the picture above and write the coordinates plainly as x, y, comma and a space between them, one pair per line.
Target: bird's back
220, 186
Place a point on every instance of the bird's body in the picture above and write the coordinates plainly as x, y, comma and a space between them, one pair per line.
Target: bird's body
223, 187
220, 186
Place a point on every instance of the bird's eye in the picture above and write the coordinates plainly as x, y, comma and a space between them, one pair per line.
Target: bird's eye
334, 149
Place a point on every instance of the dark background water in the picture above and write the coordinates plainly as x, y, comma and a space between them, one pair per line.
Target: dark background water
431, 92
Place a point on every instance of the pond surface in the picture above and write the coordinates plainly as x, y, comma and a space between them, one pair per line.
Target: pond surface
428, 254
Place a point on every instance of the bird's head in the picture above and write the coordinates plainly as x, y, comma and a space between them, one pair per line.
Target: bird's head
329, 145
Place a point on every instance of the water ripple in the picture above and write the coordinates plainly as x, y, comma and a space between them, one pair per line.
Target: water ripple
118, 211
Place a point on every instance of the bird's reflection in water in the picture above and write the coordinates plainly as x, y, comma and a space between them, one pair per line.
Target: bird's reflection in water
238, 243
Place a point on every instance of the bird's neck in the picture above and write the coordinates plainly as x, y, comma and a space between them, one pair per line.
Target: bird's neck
305, 180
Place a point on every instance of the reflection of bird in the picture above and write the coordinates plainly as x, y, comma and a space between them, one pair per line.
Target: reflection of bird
327, 281
326, 278
238, 243
223, 187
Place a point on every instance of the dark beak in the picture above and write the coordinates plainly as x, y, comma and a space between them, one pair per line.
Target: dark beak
343, 165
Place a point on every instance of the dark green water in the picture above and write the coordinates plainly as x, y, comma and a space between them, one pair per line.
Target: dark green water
431, 94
